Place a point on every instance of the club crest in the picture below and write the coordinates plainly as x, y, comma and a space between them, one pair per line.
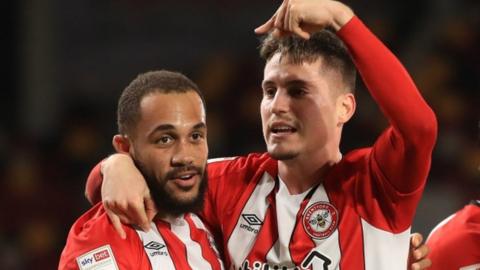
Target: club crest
320, 220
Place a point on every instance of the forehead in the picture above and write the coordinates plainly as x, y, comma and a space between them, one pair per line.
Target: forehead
182, 110
281, 68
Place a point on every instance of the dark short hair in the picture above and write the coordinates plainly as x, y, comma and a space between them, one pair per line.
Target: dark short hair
160, 81
324, 44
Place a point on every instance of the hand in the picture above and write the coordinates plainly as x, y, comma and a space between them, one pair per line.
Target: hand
417, 258
125, 194
304, 17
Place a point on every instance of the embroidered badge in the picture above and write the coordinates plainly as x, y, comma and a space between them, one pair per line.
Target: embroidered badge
320, 220
100, 258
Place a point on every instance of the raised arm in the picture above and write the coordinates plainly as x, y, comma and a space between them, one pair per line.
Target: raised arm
403, 151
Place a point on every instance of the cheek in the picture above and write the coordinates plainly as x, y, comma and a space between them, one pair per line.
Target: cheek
264, 112
204, 150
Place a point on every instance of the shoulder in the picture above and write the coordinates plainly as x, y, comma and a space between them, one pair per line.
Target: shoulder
249, 164
462, 225
354, 162
455, 242
92, 239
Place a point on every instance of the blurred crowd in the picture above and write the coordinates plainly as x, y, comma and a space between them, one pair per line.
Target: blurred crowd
71, 59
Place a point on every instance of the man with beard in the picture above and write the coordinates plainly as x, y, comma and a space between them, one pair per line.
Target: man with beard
304, 204
161, 124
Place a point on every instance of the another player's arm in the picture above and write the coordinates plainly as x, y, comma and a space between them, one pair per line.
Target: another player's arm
123, 190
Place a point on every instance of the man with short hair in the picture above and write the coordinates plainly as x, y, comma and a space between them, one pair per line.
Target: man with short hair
162, 128
305, 205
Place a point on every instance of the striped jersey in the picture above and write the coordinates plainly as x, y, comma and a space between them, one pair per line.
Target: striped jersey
173, 244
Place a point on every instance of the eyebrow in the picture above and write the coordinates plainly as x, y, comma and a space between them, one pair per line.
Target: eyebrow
294, 82
297, 83
167, 127
200, 125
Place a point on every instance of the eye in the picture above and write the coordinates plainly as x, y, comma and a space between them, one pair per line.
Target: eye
297, 92
196, 136
164, 140
269, 92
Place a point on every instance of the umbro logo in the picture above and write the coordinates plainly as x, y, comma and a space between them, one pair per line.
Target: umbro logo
154, 245
252, 219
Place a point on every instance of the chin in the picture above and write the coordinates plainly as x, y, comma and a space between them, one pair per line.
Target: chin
175, 201
282, 155
185, 197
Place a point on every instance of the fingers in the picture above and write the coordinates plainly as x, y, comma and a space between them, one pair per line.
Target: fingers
287, 19
293, 22
280, 18
137, 214
266, 27
416, 239
299, 32
284, 22
117, 224
421, 252
418, 253
150, 208
132, 212
423, 264
277, 33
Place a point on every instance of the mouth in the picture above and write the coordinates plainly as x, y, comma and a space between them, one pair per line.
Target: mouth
282, 129
185, 180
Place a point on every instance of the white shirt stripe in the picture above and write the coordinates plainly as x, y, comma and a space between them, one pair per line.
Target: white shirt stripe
156, 249
199, 224
195, 259
244, 235
287, 209
382, 248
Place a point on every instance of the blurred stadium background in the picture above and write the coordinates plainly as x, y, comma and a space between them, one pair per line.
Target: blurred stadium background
67, 62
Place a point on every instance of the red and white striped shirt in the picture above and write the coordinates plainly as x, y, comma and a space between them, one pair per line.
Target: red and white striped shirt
178, 243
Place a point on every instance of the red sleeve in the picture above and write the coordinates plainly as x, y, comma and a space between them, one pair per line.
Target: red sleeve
455, 243
93, 237
94, 184
403, 152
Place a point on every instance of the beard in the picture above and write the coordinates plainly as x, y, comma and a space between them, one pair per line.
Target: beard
282, 156
165, 201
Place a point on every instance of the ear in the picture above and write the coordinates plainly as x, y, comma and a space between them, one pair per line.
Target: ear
121, 143
345, 107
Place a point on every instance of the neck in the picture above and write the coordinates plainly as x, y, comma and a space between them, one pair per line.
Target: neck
162, 215
303, 172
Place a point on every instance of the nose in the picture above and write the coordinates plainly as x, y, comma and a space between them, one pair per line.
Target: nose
280, 102
183, 155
